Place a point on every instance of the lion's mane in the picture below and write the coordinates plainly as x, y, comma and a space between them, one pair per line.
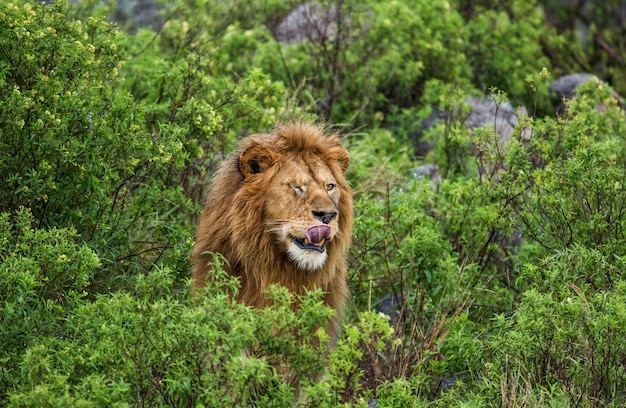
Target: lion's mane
233, 221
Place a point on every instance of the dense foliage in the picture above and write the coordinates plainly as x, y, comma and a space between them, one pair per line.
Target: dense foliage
494, 279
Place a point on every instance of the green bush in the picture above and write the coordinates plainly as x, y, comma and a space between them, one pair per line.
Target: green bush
61, 118
448, 250
590, 38
156, 346
150, 346
369, 64
99, 126
43, 276
568, 321
519, 28
568, 337
562, 190
580, 161
75, 148
383, 54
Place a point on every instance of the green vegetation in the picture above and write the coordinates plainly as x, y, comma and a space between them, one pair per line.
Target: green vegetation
507, 268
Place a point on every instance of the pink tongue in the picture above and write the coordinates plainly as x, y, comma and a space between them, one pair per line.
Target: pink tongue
317, 233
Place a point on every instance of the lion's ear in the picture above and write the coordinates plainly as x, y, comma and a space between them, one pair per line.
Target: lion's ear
256, 159
340, 154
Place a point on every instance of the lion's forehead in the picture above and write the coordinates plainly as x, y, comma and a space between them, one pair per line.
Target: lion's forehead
301, 170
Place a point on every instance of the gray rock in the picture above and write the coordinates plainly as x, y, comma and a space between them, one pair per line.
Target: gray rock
390, 305
423, 147
427, 171
486, 112
308, 22
447, 383
565, 86
483, 112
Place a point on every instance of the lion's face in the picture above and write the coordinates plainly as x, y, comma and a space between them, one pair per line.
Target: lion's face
301, 210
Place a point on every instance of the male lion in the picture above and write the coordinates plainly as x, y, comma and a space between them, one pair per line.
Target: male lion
280, 211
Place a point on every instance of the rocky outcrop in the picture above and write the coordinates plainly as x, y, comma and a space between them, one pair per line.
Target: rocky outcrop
308, 22
566, 87
482, 112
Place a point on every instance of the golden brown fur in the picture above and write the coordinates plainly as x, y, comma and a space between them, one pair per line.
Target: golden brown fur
267, 205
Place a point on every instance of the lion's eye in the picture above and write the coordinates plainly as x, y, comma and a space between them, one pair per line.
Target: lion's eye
330, 187
298, 189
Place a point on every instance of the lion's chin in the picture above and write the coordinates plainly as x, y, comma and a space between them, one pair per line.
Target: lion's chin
308, 257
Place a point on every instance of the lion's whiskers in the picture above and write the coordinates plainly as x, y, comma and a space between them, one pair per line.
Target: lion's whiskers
275, 225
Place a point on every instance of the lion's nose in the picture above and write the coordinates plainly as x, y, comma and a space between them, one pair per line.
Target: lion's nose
325, 216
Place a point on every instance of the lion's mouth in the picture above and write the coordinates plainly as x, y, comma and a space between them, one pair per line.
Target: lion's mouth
316, 238
303, 244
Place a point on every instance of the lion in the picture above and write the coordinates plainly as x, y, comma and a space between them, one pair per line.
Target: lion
279, 210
